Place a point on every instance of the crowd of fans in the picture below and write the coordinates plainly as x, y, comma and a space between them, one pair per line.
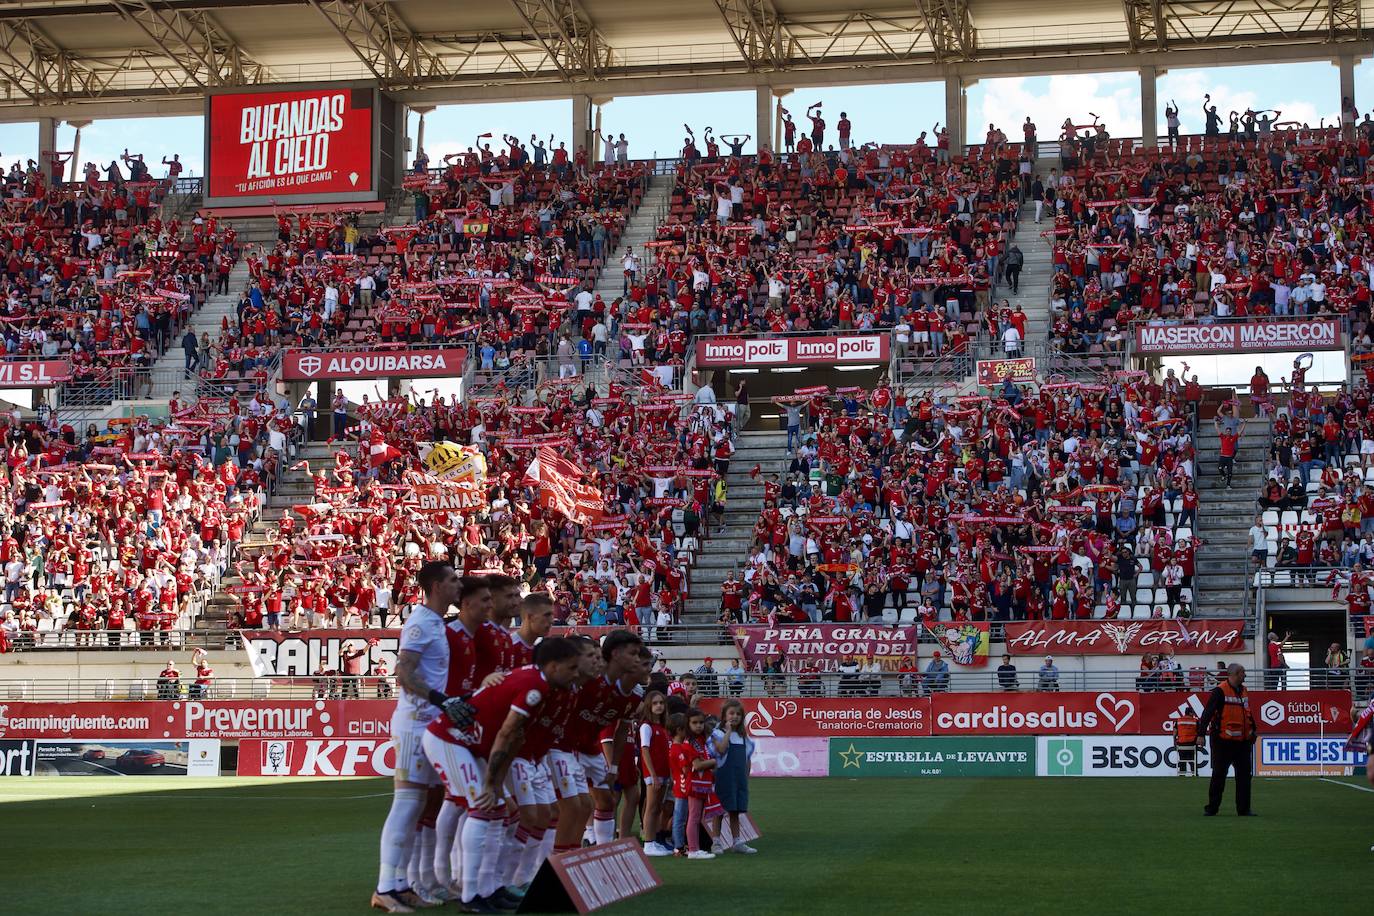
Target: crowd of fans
1058, 500
656, 459
1263, 223
125, 528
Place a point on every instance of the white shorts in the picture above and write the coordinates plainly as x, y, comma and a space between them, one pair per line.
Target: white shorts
529, 783
569, 780
594, 766
460, 772
920, 336
412, 764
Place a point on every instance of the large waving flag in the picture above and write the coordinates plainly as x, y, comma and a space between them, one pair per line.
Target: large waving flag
561, 489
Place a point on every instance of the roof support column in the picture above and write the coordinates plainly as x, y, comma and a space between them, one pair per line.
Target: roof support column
1345, 64
778, 96
1149, 107
47, 145
956, 112
763, 117
581, 123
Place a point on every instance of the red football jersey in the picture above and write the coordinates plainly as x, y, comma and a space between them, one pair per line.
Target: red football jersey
599, 703
462, 661
524, 691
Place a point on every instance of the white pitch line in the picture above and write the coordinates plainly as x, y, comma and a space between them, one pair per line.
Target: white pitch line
1348, 785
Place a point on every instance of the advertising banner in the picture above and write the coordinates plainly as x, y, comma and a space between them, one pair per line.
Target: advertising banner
825, 645
789, 757
1287, 712
307, 365
16, 758
787, 717
866, 758
108, 757
965, 643
286, 143
1271, 335
1036, 713
1306, 756
34, 373
992, 372
792, 351
1142, 755
178, 719
1108, 637
314, 757
274, 653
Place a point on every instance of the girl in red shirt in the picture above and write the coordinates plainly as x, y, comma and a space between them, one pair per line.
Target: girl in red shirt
691, 768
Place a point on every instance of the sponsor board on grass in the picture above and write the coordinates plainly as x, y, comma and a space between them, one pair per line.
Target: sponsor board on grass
859, 758
789, 757
1306, 756
1133, 755
113, 757
1288, 712
316, 757
178, 719
16, 758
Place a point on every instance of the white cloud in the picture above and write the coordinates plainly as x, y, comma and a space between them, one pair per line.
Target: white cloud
1114, 97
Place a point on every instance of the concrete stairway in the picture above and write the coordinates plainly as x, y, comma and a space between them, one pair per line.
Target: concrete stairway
293, 489
729, 549
1224, 517
639, 228
1036, 274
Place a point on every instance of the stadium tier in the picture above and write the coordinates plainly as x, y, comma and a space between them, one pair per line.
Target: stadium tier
573, 492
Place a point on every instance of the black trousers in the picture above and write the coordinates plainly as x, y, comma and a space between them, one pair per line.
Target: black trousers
1225, 755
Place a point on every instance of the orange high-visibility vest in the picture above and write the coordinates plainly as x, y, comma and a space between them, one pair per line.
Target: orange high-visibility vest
1236, 724
1185, 730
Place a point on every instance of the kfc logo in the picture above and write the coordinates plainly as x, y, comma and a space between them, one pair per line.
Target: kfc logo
310, 366
276, 758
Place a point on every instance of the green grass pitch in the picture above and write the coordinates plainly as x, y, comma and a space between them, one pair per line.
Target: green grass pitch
307, 846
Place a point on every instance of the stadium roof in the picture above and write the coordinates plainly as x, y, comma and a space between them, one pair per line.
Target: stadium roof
60, 53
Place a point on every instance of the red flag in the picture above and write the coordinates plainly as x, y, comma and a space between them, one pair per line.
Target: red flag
561, 489
754, 471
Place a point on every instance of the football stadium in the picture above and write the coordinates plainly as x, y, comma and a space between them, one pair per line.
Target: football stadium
790, 455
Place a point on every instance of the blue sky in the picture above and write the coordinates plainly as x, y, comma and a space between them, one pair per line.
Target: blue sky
889, 113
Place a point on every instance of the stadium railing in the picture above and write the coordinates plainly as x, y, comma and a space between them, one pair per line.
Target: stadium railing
816, 685
678, 634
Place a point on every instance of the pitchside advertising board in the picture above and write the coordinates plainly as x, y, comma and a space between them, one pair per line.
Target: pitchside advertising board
1305, 755
293, 144
1138, 755
110, 757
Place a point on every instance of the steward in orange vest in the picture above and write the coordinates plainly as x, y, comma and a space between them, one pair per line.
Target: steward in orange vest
1227, 720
